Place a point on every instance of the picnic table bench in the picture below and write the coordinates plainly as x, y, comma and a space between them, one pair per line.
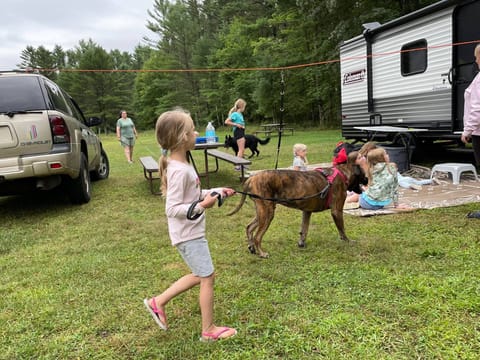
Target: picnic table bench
150, 166
237, 161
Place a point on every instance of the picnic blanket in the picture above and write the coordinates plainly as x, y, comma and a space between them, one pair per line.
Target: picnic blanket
430, 196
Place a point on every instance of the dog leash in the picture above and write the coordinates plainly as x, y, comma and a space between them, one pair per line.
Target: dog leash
322, 194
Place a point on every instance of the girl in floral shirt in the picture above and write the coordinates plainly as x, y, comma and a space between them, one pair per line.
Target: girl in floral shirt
382, 188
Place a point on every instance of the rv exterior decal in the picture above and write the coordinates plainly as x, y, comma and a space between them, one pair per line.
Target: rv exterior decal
354, 77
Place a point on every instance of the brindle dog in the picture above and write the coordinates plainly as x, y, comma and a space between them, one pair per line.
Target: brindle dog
308, 191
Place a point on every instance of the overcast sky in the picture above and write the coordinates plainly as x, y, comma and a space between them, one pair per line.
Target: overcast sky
112, 24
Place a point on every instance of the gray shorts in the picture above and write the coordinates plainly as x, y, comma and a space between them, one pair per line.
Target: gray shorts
124, 141
196, 255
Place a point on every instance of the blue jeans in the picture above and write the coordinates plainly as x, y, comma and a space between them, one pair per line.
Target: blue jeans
406, 181
364, 204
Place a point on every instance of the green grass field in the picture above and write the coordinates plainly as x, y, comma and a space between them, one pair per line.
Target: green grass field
74, 277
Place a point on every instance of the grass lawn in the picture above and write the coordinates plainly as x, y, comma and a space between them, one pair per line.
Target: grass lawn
73, 278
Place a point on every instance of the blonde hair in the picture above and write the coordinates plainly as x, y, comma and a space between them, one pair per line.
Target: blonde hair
374, 157
352, 157
369, 145
170, 130
476, 52
237, 105
298, 147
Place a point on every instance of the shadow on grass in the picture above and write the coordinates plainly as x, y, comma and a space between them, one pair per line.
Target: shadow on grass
32, 203
33, 211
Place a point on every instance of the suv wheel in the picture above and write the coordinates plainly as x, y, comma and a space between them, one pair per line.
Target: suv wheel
103, 169
79, 189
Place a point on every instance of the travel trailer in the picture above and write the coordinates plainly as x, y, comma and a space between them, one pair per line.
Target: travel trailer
411, 72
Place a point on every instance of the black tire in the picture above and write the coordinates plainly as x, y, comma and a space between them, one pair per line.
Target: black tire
103, 170
79, 189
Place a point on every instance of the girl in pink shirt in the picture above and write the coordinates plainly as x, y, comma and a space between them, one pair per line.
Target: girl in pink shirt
185, 206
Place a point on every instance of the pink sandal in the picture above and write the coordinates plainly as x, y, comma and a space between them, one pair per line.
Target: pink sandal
207, 337
157, 314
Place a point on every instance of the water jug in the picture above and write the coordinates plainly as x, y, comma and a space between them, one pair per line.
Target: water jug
210, 133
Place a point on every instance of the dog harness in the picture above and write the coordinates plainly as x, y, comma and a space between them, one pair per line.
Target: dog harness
330, 179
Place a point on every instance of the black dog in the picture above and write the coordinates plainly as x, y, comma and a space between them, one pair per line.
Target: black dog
251, 142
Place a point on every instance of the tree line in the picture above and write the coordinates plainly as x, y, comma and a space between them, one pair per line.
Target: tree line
203, 55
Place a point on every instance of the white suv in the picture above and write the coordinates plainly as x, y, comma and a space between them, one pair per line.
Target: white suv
45, 140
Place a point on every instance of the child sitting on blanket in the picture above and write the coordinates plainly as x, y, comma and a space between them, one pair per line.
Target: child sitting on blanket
406, 182
382, 188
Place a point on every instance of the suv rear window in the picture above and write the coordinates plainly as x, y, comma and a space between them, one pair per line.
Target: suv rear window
56, 96
20, 94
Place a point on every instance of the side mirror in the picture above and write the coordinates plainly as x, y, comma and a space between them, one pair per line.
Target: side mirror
94, 121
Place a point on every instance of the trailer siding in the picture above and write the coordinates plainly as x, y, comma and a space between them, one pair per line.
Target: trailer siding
421, 100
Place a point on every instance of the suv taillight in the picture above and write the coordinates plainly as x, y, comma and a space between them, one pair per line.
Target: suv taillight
59, 128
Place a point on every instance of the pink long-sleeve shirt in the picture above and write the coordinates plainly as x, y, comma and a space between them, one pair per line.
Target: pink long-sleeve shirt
183, 188
471, 111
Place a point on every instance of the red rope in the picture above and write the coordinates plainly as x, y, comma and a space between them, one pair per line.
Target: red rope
277, 68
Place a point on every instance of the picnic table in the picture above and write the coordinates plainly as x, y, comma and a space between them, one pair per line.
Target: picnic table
205, 147
238, 161
273, 128
150, 165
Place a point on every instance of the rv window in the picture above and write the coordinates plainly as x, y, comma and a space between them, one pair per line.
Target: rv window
414, 57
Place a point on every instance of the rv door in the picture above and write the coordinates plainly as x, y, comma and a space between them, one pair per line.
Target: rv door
465, 29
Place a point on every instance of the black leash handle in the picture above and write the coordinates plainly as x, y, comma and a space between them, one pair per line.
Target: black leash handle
192, 216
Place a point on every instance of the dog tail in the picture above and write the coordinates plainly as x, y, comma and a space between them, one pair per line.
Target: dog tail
264, 142
242, 200
239, 206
